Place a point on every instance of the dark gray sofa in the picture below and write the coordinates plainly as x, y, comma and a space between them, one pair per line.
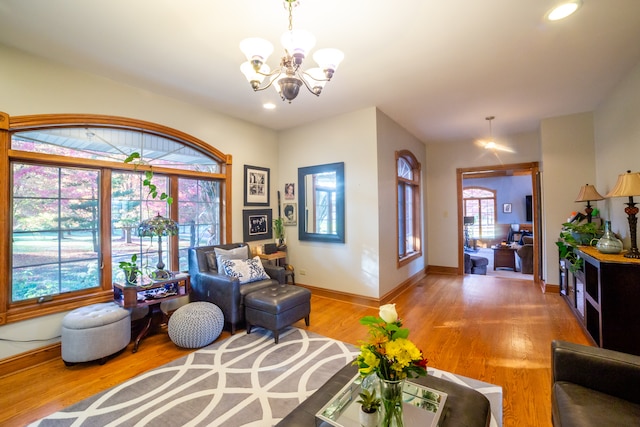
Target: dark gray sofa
225, 291
592, 386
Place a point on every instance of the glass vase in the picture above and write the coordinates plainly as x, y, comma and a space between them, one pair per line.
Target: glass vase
391, 396
608, 243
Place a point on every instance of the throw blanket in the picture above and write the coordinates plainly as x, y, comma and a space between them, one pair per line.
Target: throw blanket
244, 380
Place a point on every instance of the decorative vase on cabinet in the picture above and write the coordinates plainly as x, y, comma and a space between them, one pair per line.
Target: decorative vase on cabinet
608, 243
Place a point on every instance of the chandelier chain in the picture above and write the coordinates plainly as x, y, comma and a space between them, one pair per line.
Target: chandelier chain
290, 15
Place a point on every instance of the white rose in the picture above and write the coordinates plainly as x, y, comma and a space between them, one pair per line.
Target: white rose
388, 313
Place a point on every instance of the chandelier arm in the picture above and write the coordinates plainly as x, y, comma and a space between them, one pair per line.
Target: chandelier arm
305, 83
318, 80
276, 73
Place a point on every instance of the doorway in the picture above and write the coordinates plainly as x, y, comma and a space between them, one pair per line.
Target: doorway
496, 222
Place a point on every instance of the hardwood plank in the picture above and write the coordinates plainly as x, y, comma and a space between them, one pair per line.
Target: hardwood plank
492, 329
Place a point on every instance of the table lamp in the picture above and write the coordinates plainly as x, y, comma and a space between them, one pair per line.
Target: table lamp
628, 185
158, 226
588, 193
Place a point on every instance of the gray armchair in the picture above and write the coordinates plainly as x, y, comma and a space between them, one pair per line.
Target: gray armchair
592, 386
225, 291
525, 253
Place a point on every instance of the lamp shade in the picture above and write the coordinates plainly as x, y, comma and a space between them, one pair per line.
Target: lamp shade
158, 226
256, 49
298, 42
588, 193
628, 185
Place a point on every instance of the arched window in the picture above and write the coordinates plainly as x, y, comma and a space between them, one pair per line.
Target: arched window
75, 206
409, 210
480, 203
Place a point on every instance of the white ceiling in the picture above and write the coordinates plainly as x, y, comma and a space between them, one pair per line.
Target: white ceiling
437, 68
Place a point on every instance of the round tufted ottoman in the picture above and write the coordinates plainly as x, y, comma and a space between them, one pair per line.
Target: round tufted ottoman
196, 324
95, 332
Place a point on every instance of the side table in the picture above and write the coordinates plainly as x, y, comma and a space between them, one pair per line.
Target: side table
278, 258
504, 257
151, 296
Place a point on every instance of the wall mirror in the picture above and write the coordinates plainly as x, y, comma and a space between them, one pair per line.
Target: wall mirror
321, 203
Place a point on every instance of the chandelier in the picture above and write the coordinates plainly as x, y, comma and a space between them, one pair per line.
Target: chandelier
290, 75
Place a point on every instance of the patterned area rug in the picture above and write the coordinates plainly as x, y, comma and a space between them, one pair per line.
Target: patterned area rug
244, 380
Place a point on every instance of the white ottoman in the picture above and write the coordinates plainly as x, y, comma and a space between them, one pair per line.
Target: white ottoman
95, 332
196, 324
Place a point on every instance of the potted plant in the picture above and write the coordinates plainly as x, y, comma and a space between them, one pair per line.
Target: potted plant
573, 235
278, 230
369, 405
131, 270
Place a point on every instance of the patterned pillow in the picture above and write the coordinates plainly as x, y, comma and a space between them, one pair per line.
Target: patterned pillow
246, 270
222, 254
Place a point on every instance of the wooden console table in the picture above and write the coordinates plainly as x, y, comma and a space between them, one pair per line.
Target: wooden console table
603, 295
151, 296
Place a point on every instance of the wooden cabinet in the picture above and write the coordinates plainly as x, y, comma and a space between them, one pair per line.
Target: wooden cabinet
604, 296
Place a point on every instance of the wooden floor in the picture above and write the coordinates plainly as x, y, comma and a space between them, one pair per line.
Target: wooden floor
495, 330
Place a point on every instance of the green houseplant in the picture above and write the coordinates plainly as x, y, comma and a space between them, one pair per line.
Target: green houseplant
573, 235
278, 230
369, 405
131, 270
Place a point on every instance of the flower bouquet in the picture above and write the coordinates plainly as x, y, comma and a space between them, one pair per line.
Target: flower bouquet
392, 357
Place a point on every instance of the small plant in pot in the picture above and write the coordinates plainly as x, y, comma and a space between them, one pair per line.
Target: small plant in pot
369, 405
131, 270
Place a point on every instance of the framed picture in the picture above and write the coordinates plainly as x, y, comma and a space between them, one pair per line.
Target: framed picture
506, 208
290, 212
290, 191
256, 186
256, 224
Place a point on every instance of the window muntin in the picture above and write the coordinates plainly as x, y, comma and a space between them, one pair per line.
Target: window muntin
199, 218
408, 206
55, 236
481, 204
114, 145
12, 142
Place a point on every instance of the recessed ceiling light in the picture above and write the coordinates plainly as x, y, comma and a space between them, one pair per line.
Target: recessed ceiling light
269, 106
563, 10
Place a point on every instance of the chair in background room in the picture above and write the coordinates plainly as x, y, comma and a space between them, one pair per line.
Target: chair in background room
525, 253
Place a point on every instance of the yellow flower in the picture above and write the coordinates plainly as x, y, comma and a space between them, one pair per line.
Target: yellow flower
403, 352
368, 361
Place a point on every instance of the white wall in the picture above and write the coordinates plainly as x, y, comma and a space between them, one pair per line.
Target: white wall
443, 158
351, 267
33, 86
617, 149
568, 163
391, 138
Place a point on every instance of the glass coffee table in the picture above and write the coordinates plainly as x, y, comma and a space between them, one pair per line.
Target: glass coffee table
421, 406
463, 406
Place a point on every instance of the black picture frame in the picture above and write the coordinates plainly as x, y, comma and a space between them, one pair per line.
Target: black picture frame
256, 186
257, 224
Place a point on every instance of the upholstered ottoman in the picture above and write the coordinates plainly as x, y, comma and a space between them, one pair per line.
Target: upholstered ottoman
196, 324
95, 332
277, 307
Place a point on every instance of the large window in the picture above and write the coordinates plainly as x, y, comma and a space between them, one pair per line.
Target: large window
480, 203
75, 206
409, 212
56, 241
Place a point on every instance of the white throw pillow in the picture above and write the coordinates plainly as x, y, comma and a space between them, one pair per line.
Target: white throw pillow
236, 253
246, 270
